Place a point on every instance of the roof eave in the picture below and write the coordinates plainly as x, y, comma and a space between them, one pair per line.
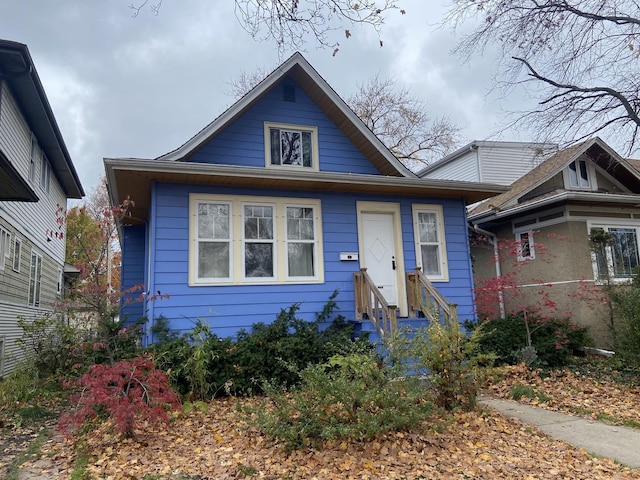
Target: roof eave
40, 117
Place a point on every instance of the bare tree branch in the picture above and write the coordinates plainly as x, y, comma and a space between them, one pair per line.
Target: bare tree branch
579, 58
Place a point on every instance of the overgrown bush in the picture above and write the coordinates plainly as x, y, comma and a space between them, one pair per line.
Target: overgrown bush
267, 352
51, 343
127, 392
349, 396
626, 302
449, 360
553, 340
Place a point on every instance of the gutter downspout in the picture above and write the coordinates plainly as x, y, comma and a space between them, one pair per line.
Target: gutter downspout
493, 240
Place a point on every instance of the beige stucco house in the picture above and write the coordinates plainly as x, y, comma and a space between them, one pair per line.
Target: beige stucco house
548, 214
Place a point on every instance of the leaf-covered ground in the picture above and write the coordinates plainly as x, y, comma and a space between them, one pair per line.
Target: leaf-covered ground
483, 444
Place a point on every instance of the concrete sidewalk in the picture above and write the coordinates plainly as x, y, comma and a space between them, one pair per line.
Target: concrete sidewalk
619, 443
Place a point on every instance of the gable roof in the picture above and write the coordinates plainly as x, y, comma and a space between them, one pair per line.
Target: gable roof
320, 92
19, 72
603, 155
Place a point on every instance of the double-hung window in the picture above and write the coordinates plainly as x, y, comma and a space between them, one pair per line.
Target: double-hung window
35, 279
17, 253
242, 239
259, 241
618, 256
291, 146
213, 240
45, 173
300, 240
5, 246
429, 236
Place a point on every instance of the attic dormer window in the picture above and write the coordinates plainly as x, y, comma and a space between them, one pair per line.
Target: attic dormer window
579, 175
291, 146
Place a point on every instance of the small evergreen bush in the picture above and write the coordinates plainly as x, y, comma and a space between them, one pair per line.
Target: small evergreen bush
626, 302
553, 340
349, 396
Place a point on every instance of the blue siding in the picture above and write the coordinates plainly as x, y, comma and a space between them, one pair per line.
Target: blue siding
231, 307
242, 142
133, 270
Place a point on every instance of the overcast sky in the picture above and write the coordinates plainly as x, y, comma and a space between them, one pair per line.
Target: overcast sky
122, 86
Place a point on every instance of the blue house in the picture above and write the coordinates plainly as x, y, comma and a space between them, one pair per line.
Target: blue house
284, 198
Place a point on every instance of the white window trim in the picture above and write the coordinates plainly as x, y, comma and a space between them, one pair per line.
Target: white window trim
45, 173
5, 249
17, 253
33, 159
36, 301
59, 281
314, 242
604, 224
444, 266
315, 157
236, 268
532, 251
591, 173
273, 241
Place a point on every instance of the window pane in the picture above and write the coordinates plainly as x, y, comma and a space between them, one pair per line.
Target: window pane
258, 260
301, 259
258, 222
306, 149
291, 152
525, 245
430, 259
300, 223
624, 251
428, 227
573, 175
584, 178
275, 146
213, 220
213, 260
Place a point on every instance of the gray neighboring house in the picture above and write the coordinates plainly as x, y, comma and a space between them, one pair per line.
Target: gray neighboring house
551, 211
37, 177
496, 162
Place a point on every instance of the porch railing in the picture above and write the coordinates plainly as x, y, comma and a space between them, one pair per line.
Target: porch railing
372, 305
426, 299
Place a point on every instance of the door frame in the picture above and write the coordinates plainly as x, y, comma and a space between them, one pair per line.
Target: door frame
393, 209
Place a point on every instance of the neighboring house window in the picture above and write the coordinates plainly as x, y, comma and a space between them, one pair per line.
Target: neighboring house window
430, 241
17, 253
33, 159
35, 279
579, 174
45, 173
5, 246
526, 250
59, 282
291, 146
272, 240
620, 256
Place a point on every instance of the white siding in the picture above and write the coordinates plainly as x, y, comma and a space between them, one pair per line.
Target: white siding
465, 167
504, 165
36, 224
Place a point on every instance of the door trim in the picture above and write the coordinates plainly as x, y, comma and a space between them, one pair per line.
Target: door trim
393, 209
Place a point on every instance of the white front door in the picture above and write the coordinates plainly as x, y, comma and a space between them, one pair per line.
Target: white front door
379, 253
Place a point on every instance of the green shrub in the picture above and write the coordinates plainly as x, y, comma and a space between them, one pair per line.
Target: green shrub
554, 340
266, 353
626, 302
349, 396
51, 343
451, 362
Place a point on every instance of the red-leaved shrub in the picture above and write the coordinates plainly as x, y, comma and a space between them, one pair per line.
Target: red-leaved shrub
127, 392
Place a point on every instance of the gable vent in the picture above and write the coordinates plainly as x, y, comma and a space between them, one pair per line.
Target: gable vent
289, 93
